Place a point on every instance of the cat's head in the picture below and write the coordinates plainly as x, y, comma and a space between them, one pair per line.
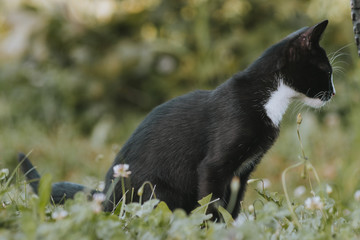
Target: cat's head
306, 67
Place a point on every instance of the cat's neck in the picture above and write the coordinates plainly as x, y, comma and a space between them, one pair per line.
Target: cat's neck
279, 100
262, 94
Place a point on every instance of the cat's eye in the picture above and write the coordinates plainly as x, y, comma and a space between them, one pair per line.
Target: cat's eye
324, 67
330, 75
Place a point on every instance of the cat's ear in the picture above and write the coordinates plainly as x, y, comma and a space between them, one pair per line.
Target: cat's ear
307, 39
311, 37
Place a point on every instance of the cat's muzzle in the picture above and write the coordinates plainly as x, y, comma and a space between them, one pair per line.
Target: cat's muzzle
326, 96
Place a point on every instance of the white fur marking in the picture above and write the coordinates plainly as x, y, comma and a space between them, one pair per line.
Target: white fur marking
332, 83
280, 99
278, 102
312, 102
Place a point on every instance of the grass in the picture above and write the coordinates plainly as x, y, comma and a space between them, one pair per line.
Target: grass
320, 212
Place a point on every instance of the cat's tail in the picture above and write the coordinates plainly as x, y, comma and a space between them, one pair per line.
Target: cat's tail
60, 191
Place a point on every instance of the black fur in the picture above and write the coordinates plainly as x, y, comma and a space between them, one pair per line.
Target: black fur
193, 145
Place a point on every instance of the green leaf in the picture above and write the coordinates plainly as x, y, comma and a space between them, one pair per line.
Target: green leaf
118, 208
267, 196
205, 200
163, 207
204, 203
226, 216
44, 194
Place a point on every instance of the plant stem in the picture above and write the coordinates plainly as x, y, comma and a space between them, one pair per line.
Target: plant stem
283, 179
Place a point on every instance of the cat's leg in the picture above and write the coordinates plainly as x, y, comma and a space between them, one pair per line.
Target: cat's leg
216, 180
240, 194
244, 174
213, 180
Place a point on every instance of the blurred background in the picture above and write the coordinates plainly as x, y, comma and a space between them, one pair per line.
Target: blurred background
77, 77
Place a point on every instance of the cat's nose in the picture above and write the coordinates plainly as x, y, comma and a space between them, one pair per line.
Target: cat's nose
332, 92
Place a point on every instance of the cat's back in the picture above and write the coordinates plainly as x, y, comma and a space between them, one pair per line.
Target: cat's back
172, 125
188, 108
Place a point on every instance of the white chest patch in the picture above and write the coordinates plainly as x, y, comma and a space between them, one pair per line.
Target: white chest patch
278, 102
280, 99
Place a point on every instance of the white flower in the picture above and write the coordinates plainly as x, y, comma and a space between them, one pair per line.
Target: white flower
4, 173
329, 189
299, 191
59, 214
240, 220
357, 195
251, 208
121, 170
252, 180
314, 203
96, 207
101, 186
99, 197
265, 183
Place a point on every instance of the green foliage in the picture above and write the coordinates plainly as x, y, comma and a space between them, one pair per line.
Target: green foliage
79, 219
318, 217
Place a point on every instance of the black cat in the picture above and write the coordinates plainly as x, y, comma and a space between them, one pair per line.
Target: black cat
193, 145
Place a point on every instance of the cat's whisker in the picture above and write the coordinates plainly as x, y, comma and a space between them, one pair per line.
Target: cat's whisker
320, 95
301, 108
298, 106
294, 109
338, 67
333, 56
336, 62
337, 71
342, 62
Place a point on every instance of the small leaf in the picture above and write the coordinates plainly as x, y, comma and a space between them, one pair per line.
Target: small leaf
205, 200
226, 216
162, 206
204, 203
266, 195
118, 208
44, 194
163, 212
